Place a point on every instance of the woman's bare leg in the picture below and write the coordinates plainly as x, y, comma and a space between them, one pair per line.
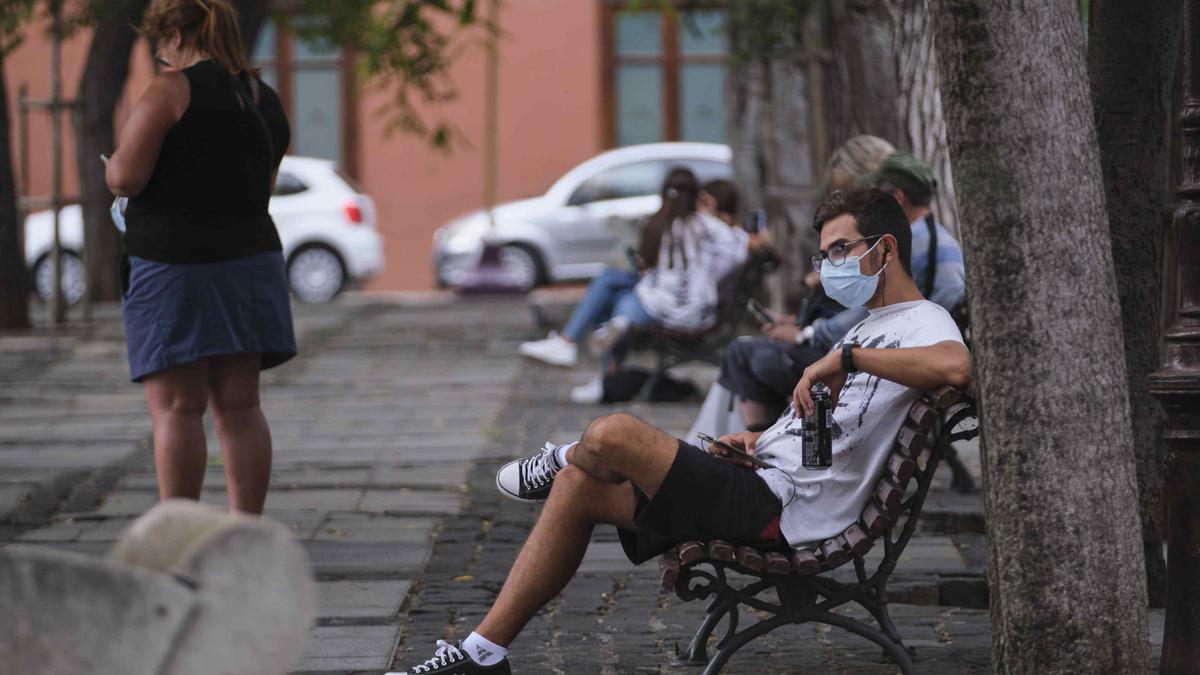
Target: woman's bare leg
242, 430
177, 399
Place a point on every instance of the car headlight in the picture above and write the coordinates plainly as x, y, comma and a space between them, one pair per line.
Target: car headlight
465, 237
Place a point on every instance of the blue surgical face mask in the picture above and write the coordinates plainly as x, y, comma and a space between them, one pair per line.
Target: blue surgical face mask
847, 284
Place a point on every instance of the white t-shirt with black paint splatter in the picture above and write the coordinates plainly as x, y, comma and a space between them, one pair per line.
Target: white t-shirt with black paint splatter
866, 420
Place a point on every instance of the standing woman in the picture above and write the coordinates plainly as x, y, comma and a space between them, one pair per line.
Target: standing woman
206, 305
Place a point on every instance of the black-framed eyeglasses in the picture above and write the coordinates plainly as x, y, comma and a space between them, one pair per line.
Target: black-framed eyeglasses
836, 255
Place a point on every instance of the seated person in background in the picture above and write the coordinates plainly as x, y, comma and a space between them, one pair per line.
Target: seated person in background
659, 491
718, 198
762, 372
685, 252
912, 183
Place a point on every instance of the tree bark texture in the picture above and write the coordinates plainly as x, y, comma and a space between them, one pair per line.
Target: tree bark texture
100, 90
1132, 51
768, 130
921, 102
14, 291
1066, 570
865, 93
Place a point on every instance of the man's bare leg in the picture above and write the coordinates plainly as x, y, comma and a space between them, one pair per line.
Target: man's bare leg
594, 489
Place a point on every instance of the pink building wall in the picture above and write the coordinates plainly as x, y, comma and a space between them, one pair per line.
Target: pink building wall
549, 120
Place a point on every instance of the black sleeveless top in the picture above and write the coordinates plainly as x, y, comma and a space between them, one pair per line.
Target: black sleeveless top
207, 198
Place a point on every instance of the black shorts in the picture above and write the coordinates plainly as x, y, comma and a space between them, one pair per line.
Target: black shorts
702, 498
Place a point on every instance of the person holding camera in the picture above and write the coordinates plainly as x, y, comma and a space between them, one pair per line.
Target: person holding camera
206, 304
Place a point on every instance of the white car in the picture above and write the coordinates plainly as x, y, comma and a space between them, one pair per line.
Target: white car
565, 234
326, 225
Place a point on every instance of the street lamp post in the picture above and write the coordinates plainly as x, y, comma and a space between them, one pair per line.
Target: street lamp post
1176, 384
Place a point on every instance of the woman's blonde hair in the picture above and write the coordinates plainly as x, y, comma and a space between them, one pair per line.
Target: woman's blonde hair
207, 26
856, 157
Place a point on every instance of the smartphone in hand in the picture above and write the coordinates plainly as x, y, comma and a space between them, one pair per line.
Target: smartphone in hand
756, 308
736, 452
631, 257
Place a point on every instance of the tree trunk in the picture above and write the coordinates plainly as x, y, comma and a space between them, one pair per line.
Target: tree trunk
14, 292
921, 102
1065, 570
1131, 61
100, 89
864, 71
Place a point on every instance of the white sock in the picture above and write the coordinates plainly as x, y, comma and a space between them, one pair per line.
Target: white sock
561, 453
483, 651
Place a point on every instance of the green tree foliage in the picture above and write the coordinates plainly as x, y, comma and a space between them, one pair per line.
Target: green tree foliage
407, 46
13, 14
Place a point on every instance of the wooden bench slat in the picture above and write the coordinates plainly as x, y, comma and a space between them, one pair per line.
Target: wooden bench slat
900, 468
750, 558
835, 555
720, 550
875, 519
805, 562
922, 415
668, 568
858, 540
690, 552
777, 563
889, 495
944, 397
911, 440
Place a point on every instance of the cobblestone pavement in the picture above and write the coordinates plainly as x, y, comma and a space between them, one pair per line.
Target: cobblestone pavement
388, 430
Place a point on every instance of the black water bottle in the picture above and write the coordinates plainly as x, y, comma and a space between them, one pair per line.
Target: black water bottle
816, 451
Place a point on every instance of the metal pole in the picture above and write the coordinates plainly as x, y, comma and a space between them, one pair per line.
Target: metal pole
1176, 384
57, 303
77, 122
22, 161
490, 277
491, 115
23, 129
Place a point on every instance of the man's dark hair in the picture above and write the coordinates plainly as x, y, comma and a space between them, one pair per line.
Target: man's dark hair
875, 212
725, 194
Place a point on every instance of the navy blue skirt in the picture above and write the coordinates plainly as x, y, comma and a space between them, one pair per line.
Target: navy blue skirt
179, 314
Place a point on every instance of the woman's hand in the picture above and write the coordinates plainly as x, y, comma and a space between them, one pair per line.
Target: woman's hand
828, 370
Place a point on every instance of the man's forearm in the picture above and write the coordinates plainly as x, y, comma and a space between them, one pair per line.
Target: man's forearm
946, 363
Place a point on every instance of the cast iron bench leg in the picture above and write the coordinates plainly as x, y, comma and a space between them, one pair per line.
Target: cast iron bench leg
697, 650
732, 643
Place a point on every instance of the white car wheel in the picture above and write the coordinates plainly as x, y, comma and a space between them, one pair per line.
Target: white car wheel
73, 278
522, 264
316, 273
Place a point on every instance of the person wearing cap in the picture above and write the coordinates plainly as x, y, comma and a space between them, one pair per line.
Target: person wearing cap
937, 260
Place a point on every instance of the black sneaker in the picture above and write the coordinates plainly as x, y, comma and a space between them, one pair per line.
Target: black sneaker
450, 660
529, 479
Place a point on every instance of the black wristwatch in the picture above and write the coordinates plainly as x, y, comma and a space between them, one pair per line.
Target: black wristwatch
848, 357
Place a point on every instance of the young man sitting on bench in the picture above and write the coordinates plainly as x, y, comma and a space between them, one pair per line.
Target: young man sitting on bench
660, 491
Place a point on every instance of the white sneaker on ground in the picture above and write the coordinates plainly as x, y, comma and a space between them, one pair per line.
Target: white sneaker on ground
590, 393
529, 479
555, 350
607, 334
